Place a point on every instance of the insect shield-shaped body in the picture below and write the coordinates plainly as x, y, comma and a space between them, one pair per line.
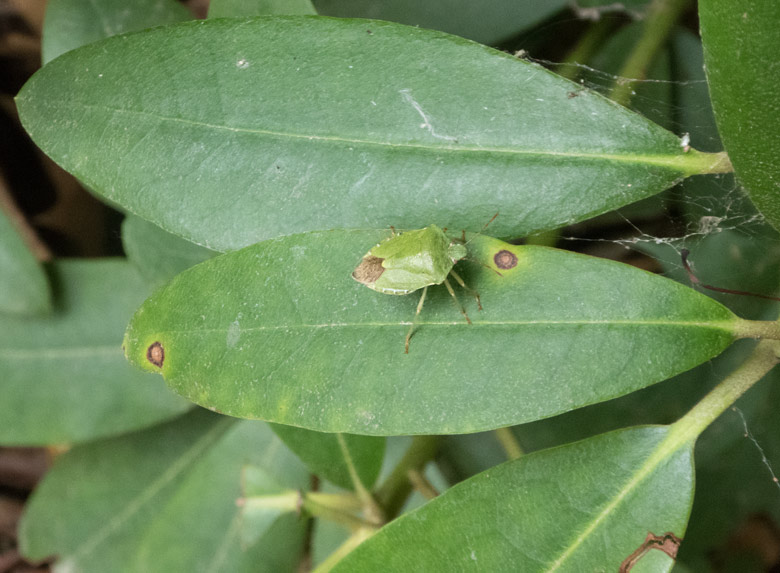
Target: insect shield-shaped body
411, 261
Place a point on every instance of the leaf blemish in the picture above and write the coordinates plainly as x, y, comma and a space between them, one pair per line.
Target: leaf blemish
505, 259
155, 354
406, 94
669, 543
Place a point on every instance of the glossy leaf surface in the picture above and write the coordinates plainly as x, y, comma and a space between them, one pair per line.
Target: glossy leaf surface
741, 44
162, 500
24, 288
585, 506
280, 331
63, 377
73, 23
306, 123
331, 455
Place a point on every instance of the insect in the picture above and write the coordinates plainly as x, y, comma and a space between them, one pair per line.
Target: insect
413, 260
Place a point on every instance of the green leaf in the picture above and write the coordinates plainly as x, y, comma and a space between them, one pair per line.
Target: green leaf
62, 377
158, 255
740, 41
162, 500
236, 8
24, 288
73, 23
333, 456
486, 22
280, 331
363, 124
585, 506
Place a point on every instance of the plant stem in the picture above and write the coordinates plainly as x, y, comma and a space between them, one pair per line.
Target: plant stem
337, 508
421, 484
584, 49
353, 541
760, 329
509, 442
370, 506
765, 356
661, 17
392, 494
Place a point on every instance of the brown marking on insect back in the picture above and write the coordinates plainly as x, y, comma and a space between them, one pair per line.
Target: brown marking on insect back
505, 259
369, 270
669, 543
155, 354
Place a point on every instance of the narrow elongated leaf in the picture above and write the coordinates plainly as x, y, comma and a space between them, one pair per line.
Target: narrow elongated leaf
237, 8
73, 23
280, 331
62, 377
306, 123
162, 500
332, 455
740, 40
487, 22
158, 255
24, 288
586, 506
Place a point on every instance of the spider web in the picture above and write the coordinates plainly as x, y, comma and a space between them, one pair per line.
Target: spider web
701, 214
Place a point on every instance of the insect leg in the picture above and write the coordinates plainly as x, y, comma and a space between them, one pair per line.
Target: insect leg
474, 293
414, 320
457, 302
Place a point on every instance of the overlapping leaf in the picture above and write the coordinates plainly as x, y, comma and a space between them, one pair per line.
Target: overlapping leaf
587, 506
63, 377
339, 458
24, 288
280, 331
236, 8
73, 23
304, 123
487, 22
163, 500
740, 50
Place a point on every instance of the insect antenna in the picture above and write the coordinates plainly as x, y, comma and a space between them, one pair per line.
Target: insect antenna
482, 230
473, 260
695, 280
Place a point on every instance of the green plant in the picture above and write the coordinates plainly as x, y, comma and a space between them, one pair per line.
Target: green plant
256, 161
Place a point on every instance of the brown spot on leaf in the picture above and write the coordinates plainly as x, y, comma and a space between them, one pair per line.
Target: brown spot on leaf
369, 270
505, 259
669, 543
155, 354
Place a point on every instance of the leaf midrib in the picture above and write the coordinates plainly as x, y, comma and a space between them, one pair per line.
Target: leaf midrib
176, 468
665, 449
719, 325
674, 162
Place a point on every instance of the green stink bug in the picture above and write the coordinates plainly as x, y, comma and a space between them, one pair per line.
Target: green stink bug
413, 260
